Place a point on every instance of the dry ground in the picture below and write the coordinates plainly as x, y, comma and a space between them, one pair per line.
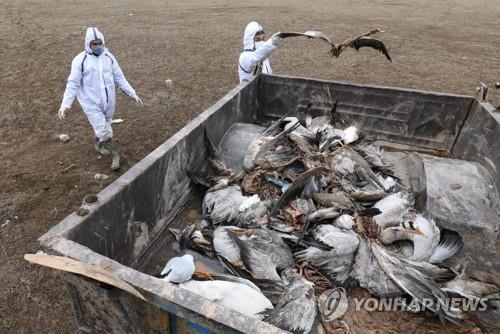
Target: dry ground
446, 45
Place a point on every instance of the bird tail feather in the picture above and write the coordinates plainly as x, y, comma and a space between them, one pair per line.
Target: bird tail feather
449, 244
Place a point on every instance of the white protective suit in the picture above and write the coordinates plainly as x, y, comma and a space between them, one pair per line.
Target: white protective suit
250, 58
92, 81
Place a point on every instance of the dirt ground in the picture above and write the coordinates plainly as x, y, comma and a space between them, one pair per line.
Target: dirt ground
446, 45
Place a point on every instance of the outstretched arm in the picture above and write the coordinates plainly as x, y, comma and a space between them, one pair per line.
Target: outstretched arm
263, 52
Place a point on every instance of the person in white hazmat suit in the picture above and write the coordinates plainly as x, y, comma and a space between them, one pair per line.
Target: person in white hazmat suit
256, 50
94, 73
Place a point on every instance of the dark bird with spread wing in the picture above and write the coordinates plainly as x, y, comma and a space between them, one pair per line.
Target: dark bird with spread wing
358, 42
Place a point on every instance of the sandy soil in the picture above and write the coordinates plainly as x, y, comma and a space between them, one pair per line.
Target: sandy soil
446, 45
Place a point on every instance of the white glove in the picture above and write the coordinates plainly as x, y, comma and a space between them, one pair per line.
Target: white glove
276, 38
62, 112
137, 99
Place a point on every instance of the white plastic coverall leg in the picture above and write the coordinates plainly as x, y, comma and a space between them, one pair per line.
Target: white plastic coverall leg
251, 57
92, 81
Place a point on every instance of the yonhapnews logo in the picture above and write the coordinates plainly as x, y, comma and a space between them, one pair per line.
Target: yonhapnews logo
333, 304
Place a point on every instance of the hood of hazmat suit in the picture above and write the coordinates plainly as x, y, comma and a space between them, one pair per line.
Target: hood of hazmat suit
92, 81
92, 34
252, 59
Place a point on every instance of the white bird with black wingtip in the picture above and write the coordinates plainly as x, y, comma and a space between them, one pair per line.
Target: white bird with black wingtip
178, 269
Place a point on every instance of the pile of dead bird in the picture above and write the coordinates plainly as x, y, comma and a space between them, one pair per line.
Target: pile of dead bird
315, 207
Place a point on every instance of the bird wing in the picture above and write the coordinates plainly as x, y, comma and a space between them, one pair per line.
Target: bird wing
309, 34
222, 205
278, 158
343, 242
234, 295
258, 263
178, 269
235, 279
349, 41
167, 270
295, 188
295, 313
349, 163
372, 43
414, 281
270, 143
449, 244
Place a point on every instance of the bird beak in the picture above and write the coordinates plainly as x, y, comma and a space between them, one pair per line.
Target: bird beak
416, 231
202, 240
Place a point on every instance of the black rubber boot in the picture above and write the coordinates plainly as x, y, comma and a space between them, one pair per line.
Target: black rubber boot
99, 147
110, 146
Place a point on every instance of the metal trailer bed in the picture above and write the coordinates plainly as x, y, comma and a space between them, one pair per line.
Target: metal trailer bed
127, 225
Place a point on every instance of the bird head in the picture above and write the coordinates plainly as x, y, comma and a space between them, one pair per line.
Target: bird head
198, 238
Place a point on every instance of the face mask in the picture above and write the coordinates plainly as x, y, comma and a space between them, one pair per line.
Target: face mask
97, 49
258, 44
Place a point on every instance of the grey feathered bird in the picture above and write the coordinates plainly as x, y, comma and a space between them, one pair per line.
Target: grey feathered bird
337, 262
296, 308
296, 188
418, 279
356, 43
229, 206
348, 163
262, 252
263, 143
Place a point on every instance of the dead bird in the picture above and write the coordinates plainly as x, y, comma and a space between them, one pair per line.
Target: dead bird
195, 236
469, 288
235, 293
358, 42
300, 131
261, 252
296, 308
277, 157
230, 206
365, 194
418, 279
178, 269
371, 153
393, 208
337, 262
301, 137
339, 199
263, 143
348, 163
296, 188
428, 243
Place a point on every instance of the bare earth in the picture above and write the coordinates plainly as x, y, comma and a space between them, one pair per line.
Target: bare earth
446, 45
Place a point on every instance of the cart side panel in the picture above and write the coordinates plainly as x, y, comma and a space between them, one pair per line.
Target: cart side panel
479, 139
104, 309
417, 118
136, 207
